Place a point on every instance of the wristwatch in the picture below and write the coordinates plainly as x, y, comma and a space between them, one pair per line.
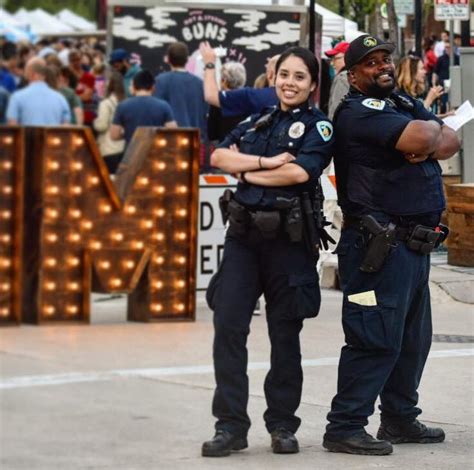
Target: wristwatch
210, 65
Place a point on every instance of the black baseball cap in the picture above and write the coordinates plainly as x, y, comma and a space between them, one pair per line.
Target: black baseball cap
364, 45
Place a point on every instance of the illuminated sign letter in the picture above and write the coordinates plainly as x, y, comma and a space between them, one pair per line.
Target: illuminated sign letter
85, 232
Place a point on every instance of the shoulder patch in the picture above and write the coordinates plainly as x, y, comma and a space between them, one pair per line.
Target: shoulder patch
325, 130
374, 103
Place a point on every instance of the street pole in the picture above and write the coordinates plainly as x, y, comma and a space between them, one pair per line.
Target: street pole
312, 26
418, 21
465, 33
341, 7
451, 41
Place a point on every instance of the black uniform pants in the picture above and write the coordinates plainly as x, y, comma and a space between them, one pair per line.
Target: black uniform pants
287, 276
387, 344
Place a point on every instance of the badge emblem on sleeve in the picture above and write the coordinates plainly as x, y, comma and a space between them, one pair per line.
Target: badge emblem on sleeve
296, 130
325, 130
374, 103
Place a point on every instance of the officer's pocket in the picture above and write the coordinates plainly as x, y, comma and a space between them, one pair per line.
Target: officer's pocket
371, 327
213, 288
306, 294
287, 144
349, 251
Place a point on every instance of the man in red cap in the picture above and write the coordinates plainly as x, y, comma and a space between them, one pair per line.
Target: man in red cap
340, 84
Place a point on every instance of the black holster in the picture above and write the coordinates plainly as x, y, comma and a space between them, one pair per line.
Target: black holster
382, 240
293, 218
224, 200
239, 217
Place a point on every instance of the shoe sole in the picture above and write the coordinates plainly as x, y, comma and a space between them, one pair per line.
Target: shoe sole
337, 447
239, 444
277, 449
410, 440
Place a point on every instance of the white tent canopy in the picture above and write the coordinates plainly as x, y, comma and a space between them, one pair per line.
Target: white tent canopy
6, 17
41, 22
75, 21
13, 29
335, 25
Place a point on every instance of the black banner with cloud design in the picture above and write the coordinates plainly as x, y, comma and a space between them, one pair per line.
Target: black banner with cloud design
249, 36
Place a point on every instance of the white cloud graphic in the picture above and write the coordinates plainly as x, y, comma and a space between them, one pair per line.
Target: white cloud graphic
161, 16
278, 34
133, 29
250, 19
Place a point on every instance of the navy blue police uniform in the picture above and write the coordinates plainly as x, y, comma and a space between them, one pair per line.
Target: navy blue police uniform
254, 263
386, 314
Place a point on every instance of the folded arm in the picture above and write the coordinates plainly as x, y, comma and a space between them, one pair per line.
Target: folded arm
285, 175
428, 138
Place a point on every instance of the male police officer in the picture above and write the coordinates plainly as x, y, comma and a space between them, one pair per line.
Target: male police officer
391, 194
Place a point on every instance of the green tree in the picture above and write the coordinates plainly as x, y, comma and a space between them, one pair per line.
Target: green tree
358, 9
85, 8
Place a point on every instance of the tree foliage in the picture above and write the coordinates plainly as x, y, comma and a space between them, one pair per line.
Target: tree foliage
85, 8
358, 9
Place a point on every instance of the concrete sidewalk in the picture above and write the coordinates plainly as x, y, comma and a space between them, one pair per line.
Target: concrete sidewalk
138, 396
456, 282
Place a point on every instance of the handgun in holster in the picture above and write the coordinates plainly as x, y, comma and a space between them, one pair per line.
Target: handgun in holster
224, 200
293, 223
382, 240
239, 217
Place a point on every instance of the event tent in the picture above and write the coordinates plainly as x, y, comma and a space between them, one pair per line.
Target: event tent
75, 21
40, 22
13, 29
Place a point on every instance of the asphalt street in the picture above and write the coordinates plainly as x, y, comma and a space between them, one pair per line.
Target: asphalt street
117, 395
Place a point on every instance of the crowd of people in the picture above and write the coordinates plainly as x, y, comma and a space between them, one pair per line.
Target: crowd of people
113, 95
83, 86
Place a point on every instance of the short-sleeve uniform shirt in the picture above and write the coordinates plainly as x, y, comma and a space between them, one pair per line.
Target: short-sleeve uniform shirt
370, 172
305, 132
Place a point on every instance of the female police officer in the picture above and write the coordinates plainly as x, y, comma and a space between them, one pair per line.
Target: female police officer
277, 156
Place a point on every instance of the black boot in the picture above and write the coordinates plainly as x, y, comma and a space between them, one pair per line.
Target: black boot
414, 432
284, 442
222, 444
361, 443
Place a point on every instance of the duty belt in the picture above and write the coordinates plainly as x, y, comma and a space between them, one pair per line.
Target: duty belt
268, 223
241, 219
419, 238
401, 233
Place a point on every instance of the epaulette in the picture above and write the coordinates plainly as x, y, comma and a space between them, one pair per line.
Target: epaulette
403, 101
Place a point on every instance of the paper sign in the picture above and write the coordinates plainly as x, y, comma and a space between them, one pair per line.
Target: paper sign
463, 114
